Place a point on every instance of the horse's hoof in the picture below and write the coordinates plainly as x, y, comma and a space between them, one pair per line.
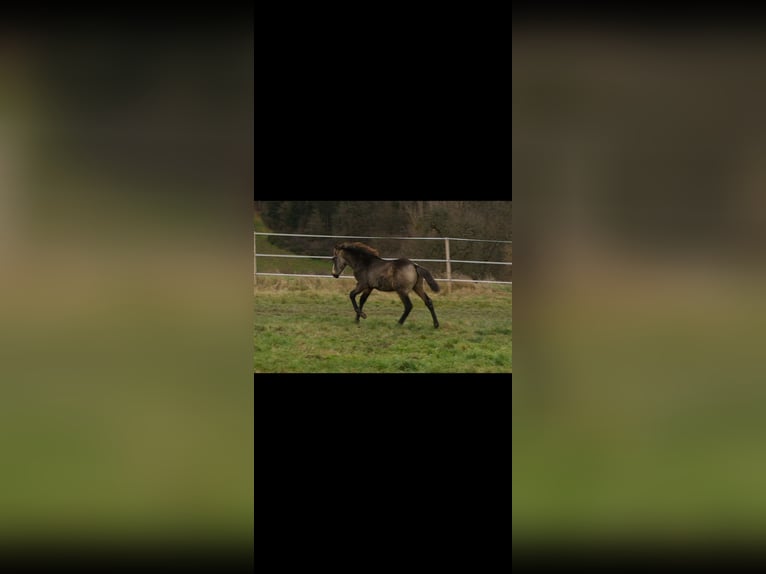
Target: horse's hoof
363, 315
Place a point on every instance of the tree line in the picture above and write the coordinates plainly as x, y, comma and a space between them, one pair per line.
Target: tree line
464, 219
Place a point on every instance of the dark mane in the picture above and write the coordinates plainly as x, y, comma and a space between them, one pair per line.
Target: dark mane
358, 247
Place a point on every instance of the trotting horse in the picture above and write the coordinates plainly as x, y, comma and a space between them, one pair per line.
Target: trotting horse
372, 272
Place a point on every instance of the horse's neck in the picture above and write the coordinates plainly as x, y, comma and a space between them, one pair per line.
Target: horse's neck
359, 261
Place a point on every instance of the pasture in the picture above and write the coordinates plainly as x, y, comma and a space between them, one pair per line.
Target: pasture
307, 325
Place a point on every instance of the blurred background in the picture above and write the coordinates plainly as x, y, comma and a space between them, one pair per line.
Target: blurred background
375, 222
126, 171
639, 169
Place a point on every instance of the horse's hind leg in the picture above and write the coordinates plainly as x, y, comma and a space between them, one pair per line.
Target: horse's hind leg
427, 300
407, 306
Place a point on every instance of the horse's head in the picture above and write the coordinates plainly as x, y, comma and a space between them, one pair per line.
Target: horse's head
338, 262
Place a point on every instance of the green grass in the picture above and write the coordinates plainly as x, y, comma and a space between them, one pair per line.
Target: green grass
308, 326
641, 415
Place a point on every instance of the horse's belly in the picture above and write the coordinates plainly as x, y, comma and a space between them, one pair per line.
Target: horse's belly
395, 279
384, 282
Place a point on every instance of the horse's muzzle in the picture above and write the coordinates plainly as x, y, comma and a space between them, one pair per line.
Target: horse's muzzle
336, 276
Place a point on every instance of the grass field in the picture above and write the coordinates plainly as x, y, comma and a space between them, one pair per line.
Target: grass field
305, 325
640, 415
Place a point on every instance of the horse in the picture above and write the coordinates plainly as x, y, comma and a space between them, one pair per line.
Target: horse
373, 272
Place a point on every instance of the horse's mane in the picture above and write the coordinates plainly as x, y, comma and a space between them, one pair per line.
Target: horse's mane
358, 247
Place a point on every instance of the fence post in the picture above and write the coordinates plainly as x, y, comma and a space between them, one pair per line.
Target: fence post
449, 268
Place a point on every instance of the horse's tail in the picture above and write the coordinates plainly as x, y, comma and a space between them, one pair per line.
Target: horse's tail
428, 277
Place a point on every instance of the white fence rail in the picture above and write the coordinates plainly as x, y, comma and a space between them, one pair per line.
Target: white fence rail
447, 260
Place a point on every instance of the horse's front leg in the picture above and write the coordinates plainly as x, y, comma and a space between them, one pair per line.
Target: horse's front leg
362, 299
354, 292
